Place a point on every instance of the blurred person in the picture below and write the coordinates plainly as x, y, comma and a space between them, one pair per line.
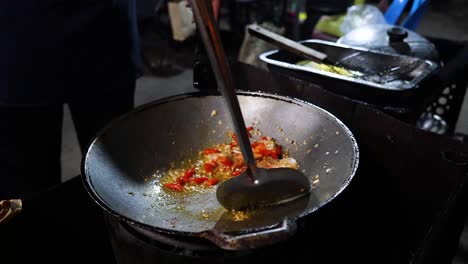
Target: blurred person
80, 52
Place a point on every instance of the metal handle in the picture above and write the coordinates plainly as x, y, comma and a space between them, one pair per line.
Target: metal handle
286, 43
253, 240
210, 35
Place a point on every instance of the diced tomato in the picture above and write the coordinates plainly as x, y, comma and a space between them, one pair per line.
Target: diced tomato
174, 186
236, 173
279, 150
225, 161
273, 154
208, 151
209, 166
264, 138
259, 146
199, 180
212, 182
238, 160
250, 128
188, 174
254, 145
260, 150
264, 152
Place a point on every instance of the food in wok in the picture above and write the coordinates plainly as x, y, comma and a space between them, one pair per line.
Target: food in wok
220, 162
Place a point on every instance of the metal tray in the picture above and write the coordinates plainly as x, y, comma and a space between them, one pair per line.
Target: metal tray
399, 92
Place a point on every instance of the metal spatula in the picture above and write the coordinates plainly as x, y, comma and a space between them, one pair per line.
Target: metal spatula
256, 187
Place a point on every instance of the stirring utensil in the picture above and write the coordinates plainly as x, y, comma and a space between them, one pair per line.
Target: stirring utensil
256, 187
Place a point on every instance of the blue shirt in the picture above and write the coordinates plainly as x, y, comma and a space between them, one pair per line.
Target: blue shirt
52, 51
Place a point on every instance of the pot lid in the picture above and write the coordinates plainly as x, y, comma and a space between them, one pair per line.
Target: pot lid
391, 39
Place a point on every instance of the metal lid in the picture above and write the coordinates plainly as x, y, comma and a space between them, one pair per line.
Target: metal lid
391, 39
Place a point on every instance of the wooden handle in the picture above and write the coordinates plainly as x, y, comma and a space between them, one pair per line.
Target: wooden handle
286, 43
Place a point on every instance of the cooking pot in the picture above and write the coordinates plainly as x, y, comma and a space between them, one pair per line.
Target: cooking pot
391, 39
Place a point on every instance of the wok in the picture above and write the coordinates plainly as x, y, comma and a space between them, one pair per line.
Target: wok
124, 163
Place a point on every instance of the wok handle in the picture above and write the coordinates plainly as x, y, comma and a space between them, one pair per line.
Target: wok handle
262, 238
286, 43
9, 209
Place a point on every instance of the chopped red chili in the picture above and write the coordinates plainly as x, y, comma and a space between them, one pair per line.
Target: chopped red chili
225, 161
213, 181
188, 174
174, 186
208, 151
279, 150
209, 166
181, 181
200, 180
236, 173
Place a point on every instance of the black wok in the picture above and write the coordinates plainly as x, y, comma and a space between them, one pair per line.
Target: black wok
123, 165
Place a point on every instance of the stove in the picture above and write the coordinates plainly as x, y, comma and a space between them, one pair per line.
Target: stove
132, 246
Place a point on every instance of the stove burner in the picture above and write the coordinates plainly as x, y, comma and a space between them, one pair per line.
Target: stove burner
167, 244
131, 245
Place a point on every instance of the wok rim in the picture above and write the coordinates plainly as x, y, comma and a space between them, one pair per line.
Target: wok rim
108, 209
